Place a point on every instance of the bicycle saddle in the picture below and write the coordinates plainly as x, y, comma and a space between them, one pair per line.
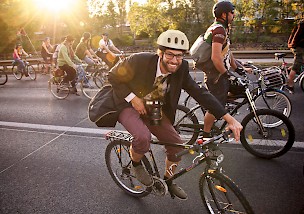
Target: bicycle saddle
280, 55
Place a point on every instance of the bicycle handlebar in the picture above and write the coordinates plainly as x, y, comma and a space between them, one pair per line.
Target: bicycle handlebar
199, 143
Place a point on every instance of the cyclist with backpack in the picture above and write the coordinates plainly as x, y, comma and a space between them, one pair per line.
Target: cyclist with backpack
212, 54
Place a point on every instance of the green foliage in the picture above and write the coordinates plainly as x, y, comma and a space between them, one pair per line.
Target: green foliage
255, 21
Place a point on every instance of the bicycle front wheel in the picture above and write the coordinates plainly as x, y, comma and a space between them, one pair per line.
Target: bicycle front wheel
221, 195
3, 77
31, 72
102, 77
89, 87
274, 99
263, 141
58, 89
16, 72
186, 125
118, 162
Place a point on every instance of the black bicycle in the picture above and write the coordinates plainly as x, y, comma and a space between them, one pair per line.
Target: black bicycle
3, 77
266, 133
218, 192
264, 90
28, 71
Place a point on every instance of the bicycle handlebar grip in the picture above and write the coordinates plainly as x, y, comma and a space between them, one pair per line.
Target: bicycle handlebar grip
226, 133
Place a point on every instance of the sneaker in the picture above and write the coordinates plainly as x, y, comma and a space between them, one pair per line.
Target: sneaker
177, 191
142, 175
290, 89
207, 136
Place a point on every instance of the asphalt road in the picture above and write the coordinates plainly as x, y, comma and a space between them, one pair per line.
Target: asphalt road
52, 161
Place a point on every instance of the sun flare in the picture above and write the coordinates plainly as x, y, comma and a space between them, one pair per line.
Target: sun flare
54, 5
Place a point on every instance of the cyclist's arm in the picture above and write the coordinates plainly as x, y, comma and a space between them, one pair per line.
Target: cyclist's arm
23, 51
217, 57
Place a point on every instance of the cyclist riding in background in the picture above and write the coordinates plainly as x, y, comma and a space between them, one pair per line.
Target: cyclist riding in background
296, 45
66, 59
135, 82
84, 50
46, 52
17, 55
56, 52
221, 60
105, 51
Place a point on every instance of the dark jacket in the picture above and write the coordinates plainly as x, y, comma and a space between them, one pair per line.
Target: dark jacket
137, 74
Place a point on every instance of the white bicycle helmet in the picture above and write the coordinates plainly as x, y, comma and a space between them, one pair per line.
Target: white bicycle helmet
173, 39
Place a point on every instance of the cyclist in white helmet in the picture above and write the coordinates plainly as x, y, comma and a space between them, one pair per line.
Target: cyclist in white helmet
134, 82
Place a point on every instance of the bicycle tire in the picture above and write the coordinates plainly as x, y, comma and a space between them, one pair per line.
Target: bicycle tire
221, 195
57, 89
3, 77
301, 82
186, 125
274, 141
16, 72
274, 99
102, 75
31, 72
118, 162
90, 88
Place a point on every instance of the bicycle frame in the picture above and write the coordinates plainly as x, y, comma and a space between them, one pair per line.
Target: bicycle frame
247, 98
204, 153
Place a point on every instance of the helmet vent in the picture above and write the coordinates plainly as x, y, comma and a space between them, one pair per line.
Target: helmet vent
169, 40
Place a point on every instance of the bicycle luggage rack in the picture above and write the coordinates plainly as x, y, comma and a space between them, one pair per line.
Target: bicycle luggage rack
272, 77
119, 135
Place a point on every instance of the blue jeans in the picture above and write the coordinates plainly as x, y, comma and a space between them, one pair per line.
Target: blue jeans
20, 64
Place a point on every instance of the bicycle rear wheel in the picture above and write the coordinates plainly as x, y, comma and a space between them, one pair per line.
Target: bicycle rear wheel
186, 125
16, 72
221, 195
31, 72
118, 162
274, 99
58, 89
90, 88
264, 141
3, 77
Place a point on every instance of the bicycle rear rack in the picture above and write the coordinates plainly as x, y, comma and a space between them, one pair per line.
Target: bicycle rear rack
119, 135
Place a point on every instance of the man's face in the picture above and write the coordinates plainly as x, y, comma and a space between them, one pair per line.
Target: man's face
171, 60
231, 16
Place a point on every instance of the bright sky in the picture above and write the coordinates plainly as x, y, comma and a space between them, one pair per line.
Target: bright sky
53, 5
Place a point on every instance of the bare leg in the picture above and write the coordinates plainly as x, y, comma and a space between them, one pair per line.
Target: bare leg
208, 122
135, 156
291, 77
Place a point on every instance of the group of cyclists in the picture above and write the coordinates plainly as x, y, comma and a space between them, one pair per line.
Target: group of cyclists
63, 56
133, 79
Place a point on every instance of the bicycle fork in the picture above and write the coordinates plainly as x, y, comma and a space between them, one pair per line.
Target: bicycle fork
253, 108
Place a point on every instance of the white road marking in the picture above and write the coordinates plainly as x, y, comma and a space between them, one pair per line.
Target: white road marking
99, 131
